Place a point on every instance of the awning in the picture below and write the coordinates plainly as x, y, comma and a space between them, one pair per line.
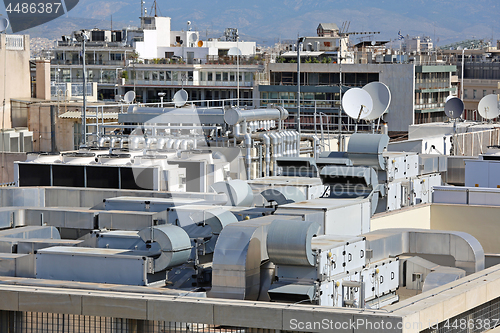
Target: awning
89, 115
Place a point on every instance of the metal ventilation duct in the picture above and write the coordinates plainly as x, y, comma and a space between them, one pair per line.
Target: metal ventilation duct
289, 242
283, 195
466, 250
235, 116
238, 192
367, 149
174, 243
238, 255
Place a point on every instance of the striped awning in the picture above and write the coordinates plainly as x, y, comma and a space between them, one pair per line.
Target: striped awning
89, 115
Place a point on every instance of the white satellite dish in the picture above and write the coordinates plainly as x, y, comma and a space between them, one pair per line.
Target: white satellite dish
234, 51
4, 24
129, 96
489, 107
180, 98
193, 38
454, 107
373, 43
381, 98
357, 103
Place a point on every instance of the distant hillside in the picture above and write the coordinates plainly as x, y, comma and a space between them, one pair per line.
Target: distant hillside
268, 21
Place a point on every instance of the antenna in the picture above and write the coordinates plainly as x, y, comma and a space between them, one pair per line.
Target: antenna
129, 97
4, 24
381, 98
454, 107
357, 103
180, 98
488, 106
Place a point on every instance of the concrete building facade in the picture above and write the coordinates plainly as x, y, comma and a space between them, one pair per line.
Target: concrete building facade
15, 73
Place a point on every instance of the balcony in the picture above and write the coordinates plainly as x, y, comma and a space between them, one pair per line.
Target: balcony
89, 62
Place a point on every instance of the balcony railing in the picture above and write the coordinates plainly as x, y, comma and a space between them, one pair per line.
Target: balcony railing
88, 62
189, 83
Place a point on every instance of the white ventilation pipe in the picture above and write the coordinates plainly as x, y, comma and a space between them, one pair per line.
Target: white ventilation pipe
314, 143
103, 140
160, 143
274, 156
113, 141
170, 143
248, 157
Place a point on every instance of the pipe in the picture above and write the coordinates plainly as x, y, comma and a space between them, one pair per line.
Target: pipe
248, 157
160, 143
150, 142
267, 157
103, 140
235, 116
274, 156
170, 143
113, 141
314, 143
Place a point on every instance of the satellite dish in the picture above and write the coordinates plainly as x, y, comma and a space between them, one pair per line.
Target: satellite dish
373, 43
488, 106
357, 103
234, 51
454, 107
180, 98
193, 38
200, 43
4, 24
381, 98
129, 96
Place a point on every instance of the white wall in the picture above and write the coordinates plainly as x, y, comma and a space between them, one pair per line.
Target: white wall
163, 28
247, 48
148, 48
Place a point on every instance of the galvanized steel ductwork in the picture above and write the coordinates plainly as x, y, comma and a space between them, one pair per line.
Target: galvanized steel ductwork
174, 244
289, 242
238, 255
465, 249
238, 192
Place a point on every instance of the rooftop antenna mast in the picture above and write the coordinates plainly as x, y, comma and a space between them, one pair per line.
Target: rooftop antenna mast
142, 13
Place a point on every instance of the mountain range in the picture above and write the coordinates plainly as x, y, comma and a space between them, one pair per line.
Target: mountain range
266, 22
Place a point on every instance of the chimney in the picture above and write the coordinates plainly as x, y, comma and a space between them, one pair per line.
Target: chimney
43, 79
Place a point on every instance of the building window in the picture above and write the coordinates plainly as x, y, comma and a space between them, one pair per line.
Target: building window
248, 77
225, 76
155, 76
232, 76
202, 76
494, 92
162, 76
474, 93
465, 93
218, 76
210, 76
168, 75
484, 93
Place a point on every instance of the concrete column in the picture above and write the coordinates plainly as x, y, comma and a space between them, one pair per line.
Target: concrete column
43, 79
